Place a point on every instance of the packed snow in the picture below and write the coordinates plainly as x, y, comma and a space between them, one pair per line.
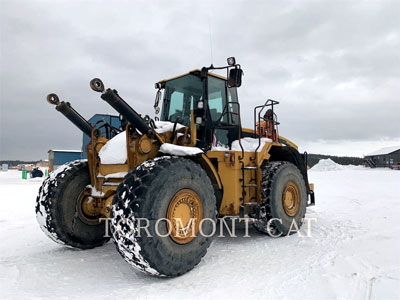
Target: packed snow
352, 254
94, 192
220, 148
165, 126
330, 165
248, 144
149, 164
114, 175
114, 151
177, 150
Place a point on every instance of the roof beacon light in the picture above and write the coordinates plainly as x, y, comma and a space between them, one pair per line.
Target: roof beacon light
231, 61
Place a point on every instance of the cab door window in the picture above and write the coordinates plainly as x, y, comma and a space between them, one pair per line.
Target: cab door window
216, 98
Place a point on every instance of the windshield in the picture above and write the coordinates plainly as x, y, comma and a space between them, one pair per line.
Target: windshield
180, 96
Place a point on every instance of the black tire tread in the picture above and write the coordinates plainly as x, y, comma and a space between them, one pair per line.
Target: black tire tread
129, 203
269, 175
47, 200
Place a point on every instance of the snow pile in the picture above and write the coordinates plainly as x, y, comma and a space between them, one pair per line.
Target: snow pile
166, 126
179, 150
249, 144
330, 165
114, 151
327, 165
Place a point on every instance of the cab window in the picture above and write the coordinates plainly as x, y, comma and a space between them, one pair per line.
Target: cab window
233, 108
180, 96
216, 98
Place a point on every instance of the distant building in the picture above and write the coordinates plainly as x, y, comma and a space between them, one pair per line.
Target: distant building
384, 157
28, 167
98, 120
60, 157
42, 164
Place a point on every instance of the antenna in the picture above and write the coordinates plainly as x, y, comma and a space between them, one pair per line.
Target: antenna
209, 30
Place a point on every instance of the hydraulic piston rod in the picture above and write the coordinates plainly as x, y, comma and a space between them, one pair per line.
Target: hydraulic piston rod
119, 104
66, 109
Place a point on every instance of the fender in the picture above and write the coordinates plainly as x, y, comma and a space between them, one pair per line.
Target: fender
290, 153
212, 173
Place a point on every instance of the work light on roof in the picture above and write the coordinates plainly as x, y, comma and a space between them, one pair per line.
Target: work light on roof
231, 61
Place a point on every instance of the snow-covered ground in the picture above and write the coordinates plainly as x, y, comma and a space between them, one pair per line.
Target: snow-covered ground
353, 252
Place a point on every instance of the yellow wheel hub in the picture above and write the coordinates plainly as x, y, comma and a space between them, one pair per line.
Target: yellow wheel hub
184, 214
89, 208
291, 199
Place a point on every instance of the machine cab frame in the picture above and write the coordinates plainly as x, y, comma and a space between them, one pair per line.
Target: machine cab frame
214, 105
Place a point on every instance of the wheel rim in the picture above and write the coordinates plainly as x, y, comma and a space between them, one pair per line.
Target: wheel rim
88, 208
184, 206
291, 199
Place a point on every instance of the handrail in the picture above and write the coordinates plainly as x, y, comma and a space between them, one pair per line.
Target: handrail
225, 111
261, 108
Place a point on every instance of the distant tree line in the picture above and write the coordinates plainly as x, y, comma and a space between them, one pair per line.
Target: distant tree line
313, 159
13, 163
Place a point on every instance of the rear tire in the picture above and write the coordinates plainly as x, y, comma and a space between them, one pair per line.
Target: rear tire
283, 198
148, 192
56, 208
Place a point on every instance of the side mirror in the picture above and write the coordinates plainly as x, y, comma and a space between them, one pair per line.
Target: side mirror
235, 77
157, 101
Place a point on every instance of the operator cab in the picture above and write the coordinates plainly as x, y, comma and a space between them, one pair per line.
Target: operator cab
207, 97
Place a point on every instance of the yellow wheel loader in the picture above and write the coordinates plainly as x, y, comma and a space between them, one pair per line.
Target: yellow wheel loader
160, 184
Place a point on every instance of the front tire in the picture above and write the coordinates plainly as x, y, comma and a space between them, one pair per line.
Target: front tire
57, 209
161, 189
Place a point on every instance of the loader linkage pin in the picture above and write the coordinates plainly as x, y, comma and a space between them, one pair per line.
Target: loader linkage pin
97, 85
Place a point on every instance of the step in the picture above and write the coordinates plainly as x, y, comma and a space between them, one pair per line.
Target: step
249, 208
251, 185
250, 168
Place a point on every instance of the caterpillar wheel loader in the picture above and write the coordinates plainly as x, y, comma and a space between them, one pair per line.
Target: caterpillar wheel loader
163, 182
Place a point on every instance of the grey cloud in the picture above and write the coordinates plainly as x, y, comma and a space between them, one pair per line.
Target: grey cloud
333, 65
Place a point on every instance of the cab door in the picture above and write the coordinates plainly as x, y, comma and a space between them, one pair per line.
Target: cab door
223, 111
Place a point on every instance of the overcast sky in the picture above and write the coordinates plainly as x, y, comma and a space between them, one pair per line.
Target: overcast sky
334, 66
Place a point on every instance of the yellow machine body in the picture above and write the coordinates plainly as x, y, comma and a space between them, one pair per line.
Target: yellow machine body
223, 167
